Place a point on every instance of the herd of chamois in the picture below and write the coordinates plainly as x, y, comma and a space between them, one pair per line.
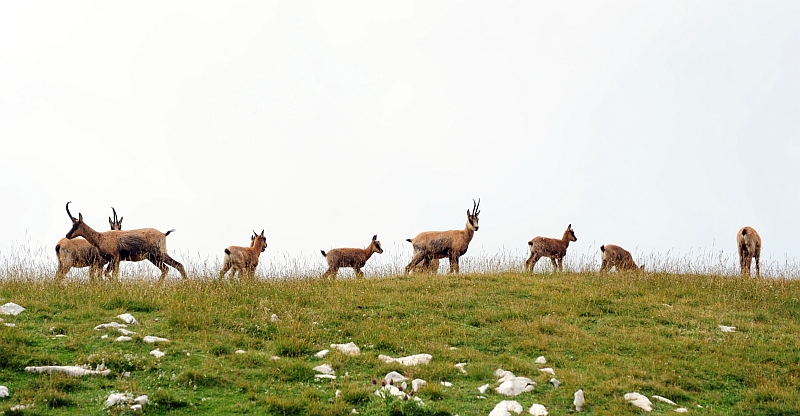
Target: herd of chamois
98, 249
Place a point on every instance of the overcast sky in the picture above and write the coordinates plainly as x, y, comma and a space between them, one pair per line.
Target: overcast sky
660, 126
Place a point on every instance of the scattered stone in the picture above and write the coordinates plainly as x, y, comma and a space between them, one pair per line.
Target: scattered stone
10, 325
482, 389
724, 328
505, 408
481, 397
104, 336
541, 360
137, 408
61, 336
152, 340
348, 349
393, 377
324, 369
579, 400
274, 318
548, 371
21, 407
4, 391
128, 319
417, 384
338, 393
157, 353
682, 410
239, 352
410, 360
446, 383
664, 399
511, 385
118, 399
538, 410
639, 400
555, 382
114, 325
274, 358
321, 354
123, 338
460, 367
124, 331
11, 308
70, 370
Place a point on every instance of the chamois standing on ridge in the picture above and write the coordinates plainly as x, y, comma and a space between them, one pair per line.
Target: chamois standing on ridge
244, 259
553, 248
616, 256
350, 257
80, 253
749, 243
130, 245
430, 246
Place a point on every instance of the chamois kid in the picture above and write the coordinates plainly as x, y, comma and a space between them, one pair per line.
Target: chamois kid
553, 248
80, 253
749, 244
616, 256
129, 245
430, 246
350, 257
244, 259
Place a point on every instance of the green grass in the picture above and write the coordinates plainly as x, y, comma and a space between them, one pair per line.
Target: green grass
606, 334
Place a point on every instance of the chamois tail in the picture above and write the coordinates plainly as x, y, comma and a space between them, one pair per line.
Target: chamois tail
227, 252
409, 240
170, 231
603, 248
323, 253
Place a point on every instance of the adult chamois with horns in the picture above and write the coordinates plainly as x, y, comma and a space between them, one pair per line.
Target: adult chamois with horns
129, 245
749, 245
350, 257
553, 248
430, 246
79, 253
244, 259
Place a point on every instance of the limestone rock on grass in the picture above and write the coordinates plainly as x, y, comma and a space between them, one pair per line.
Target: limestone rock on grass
639, 400
128, 319
4, 391
579, 400
664, 399
538, 410
348, 349
540, 360
11, 308
152, 340
505, 408
409, 360
70, 370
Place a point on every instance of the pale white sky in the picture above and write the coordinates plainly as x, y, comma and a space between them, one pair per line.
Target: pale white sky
660, 126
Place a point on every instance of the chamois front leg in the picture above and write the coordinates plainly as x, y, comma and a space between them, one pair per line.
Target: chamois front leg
113, 264
359, 273
554, 263
175, 265
158, 262
454, 264
418, 258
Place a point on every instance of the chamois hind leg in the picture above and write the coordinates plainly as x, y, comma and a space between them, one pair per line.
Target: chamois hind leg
158, 262
175, 265
531, 262
555, 265
359, 273
95, 270
114, 266
225, 267
758, 265
418, 258
61, 272
332, 271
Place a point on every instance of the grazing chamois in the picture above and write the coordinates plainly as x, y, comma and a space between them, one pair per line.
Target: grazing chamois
350, 257
749, 243
430, 246
131, 245
80, 253
553, 248
244, 259
616, 256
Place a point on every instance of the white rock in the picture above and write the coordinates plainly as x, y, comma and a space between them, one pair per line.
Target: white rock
482, 389
142, 400
639, 400
460, 367
555, 382
682, 410
128, 319
10, 325
664, 399
240, 352
389, 390
394, 377
540, 360
348, 349
515, 386
321, 354
157, 353
446, 383
724, 328
123, 338
481, 397
579, 400
137, 408
327, 376
538, 410
274, 358
61, 336
152, 340
124, 331
417, 384
104, 336
503, 375
338, 393
354, 411
114, 325
274, 318
21, 407
505, 408
118, 398
410, 360
70, 370
548, 371
4, 391
324, 369
11, 308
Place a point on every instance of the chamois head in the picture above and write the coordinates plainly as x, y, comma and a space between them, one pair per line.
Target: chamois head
76, 223
377, 244
116, 223
259, 241
472, 218
569, 234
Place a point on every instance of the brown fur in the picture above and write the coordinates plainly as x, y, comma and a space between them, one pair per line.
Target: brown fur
553, 248
244, 259
350, 257
132, 245
431, 246
749, 244
80, 253
616, 256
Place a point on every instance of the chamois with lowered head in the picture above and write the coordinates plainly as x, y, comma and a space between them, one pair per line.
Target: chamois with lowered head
244, 259
80, 253
616, 256
430, 246
749, 244
350, 257
129, 245
553, 248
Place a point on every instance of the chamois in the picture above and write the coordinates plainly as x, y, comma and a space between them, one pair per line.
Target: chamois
131, 245
749, 243
350, 257
553, 248
616, 256
244, 259
430, 246
80, 253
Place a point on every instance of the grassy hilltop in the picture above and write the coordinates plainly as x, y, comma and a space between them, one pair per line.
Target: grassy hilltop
606, 334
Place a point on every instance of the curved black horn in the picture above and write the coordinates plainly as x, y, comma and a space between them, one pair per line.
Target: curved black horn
68, 213
115, 214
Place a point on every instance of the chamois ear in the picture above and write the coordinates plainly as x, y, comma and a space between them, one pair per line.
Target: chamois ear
80, 217
374, 237
469, 214
569, 227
